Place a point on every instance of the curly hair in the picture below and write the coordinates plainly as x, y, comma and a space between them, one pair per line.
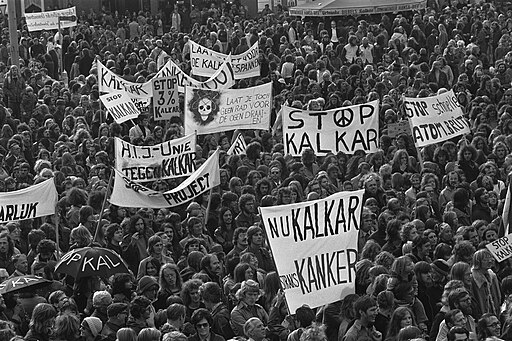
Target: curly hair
188, 286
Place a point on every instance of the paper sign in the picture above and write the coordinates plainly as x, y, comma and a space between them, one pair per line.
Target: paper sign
165, 98
501, 248
50, 20
120, 106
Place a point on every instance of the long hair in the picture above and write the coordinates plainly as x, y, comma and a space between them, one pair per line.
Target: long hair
396, 319
42, 314
149, 334
163, 283
126, 334
67, 327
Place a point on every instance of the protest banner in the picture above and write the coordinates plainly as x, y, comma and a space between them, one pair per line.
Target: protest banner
120, 106
50, 20
395, 129
435, 119
238, 147
165, 98
205, 62
314, 245
28, 203
344, 129
501, 248
213, 111
128, 193
110, 82
166, 160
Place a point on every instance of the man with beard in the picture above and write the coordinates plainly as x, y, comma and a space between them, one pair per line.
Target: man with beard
459, 299
366, 311
246, 217
212, 298
239, 242
117, 315
210, 266
6, 252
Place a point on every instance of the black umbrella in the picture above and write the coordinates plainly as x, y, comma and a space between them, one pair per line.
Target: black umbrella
23, 282
91, 261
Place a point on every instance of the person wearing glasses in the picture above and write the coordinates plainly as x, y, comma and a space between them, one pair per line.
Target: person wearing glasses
202, 321
489, 328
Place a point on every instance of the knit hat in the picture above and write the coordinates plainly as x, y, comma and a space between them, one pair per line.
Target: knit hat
252, 231
116, 308
94, 324
441, 267
146, 283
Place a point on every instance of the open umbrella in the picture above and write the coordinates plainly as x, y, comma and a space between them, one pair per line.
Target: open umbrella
91, 261
23, 282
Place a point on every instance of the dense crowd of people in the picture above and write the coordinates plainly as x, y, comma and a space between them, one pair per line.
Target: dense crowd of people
204, 271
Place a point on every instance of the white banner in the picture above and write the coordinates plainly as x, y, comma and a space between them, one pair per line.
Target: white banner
346, 129
165, 98
28, 203
120, 106
435, 119
314, 245
50, 20
213, 111
501, 248
205, 62
127, 193
167, 160
238, 147
110, 82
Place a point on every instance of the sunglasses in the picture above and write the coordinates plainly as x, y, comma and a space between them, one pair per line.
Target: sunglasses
202, 325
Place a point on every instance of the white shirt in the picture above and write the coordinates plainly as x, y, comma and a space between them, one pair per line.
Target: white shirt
334, 35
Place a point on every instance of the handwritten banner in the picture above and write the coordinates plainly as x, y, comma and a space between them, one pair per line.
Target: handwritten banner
435, 119
110, 82
205, 62
50, 20
238, 147
314, 245
346, 129
501, 248
167, 160
128, 193
213, 111
120, 106
28, 203
165, 98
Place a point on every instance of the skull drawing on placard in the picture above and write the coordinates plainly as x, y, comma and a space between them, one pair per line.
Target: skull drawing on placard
204, 105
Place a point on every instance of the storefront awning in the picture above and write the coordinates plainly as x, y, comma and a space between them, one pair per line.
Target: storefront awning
322, 8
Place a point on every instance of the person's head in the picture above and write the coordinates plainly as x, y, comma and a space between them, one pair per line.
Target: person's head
149, 334
148, 287
255, 236
67, 327
43, 317
101, 300
20, 263
118, 313
176, 313
483, 260
155, 245
211, 293
249, 292
455, 318
126, 334
240, 238
304, 316
366, 309
254, 329
461, 271
6, 244
402, 317
488, 326
170, 277
190, 292
211, 264
202, 321
409, 333
140, 307
460, 299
